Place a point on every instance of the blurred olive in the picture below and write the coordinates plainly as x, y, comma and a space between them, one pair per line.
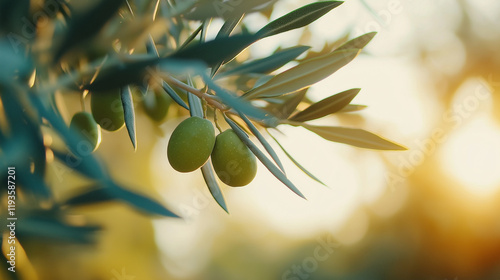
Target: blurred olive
107, 109
156, 105
85, 126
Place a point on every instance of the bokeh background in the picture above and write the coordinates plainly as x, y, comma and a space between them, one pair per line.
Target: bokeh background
430, 79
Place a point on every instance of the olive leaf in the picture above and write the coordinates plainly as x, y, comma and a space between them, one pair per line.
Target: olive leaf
263, 158
296, 162
358, 42
263, 141
352, 108
304, 75
268, 64
298, 18
326, 106
191, 37
129, 114
171, 92
225, 31
354, 137
110, 191
208, 174
219, 50
288, 104
80, 28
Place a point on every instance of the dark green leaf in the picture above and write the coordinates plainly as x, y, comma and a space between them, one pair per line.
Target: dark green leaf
84, 26
54, 230
191, 37
111, 191
298, 18
262, 157
268, 64
122, 74
220, 50
224, 32
129, 114
287, 107
82, 165
355, 137
326, 106
151, 46
241, 105
170, 91
263, 141
304, 75
92, 196
297, 163
358, 42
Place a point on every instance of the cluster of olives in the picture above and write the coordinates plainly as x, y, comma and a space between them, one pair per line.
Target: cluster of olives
107, 113
193, 141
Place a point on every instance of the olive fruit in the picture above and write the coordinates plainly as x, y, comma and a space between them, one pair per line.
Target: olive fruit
107, 109
233, 162
156, 105
85, 126
191, 143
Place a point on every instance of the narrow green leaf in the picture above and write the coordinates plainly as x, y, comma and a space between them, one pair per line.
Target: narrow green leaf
110, 191
151, 46
355, 137
141, 202
91, 196
170, 91
224, 32
263, 141
208, 174
304, 75
326, 106
195, 107
229, 26
268, 64
298, 18
262, 157
83, 27
121, 74
297, 163
191, 37
219, 50
129, 114
241, 105
358, 42
352, 108
53, 229
287, 107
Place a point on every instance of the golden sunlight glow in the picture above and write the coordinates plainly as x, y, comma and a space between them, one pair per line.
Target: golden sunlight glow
472, 155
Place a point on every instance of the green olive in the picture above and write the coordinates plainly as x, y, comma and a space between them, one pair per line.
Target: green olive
233, 162
191, 143
107, 109
85, 126
156, 105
